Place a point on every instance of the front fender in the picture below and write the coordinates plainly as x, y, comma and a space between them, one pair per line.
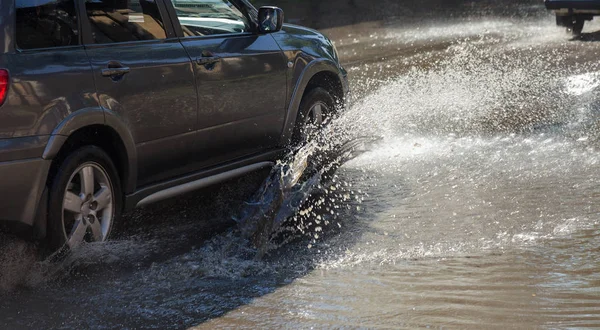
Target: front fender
303, 73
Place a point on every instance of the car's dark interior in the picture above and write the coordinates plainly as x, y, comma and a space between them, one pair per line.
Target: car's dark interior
50, 25
124, 20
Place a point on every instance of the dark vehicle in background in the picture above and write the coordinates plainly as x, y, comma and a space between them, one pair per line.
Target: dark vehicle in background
106, 105
572, 14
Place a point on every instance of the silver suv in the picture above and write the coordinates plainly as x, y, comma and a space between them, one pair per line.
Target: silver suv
106, 105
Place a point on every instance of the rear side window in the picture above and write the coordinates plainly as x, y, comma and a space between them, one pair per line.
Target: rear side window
124, 20
46, 24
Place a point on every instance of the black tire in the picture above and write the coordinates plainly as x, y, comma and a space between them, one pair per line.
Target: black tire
578, 27
57, 233
313, 97
573, 24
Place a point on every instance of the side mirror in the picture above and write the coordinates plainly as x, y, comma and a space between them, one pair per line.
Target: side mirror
270, 19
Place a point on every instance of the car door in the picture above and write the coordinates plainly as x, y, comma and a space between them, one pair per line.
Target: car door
144, 75
240, 76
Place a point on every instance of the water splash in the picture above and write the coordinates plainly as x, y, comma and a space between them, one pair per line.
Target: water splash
291, 183
17, 260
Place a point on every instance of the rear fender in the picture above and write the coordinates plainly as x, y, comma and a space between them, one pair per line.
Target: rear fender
95, 116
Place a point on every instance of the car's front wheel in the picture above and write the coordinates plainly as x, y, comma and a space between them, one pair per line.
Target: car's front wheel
316, 105
84, 199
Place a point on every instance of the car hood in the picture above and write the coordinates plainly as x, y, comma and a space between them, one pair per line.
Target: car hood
309, 41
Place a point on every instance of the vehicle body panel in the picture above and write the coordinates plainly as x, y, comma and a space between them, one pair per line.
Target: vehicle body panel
585, 9
227, 171
573, 4
96, 116
156, 100
22, 148
241, 98
46, 87
310, 52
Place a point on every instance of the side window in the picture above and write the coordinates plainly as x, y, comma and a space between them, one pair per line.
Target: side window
208, 17
46, 24
124, 20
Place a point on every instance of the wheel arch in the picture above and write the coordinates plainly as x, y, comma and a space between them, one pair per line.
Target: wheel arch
318, 73
330, 82
96, 127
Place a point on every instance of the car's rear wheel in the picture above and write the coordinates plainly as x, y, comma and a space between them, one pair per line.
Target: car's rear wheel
84, 199
316, 105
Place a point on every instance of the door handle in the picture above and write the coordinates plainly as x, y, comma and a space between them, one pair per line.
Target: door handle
208, 60
115, 72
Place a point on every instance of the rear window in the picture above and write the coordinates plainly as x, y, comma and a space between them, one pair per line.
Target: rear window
46, 24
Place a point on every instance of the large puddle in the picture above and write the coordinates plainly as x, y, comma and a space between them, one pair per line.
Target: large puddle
478, 208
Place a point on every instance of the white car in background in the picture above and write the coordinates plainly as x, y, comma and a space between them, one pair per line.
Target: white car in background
572, 14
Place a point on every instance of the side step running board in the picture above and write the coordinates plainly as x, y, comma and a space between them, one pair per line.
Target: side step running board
202, 183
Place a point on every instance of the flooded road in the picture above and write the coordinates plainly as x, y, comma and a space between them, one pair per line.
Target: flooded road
479, 208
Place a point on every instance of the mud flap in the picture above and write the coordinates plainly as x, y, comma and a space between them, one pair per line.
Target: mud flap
40, 223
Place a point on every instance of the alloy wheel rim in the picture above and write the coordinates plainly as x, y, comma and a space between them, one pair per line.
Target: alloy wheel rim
87, 209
